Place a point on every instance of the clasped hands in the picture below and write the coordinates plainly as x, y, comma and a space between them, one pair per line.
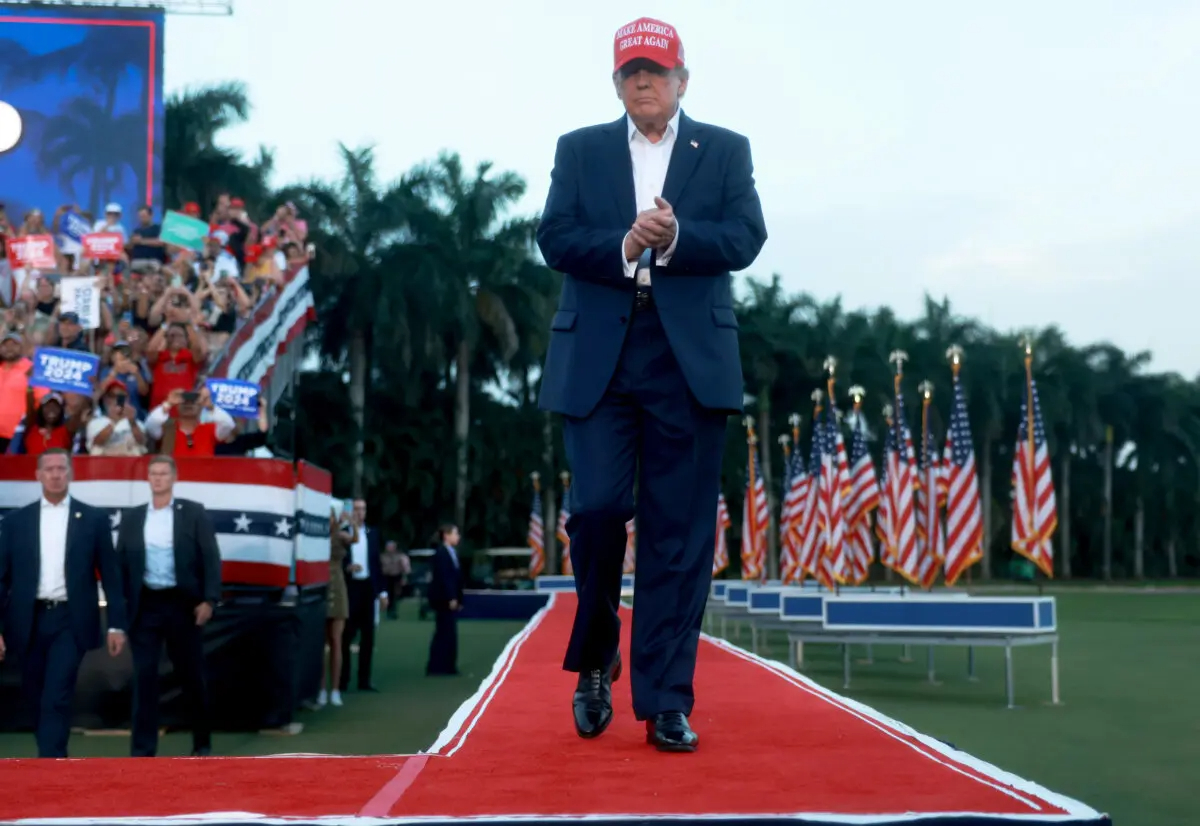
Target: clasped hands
654, 229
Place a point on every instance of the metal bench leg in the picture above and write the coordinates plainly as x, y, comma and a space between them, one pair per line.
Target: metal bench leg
845, 666
1008, 676
754, 638
870, 658
971, 664
1054, 700
906, 655
799, 654
929, 667
724, 628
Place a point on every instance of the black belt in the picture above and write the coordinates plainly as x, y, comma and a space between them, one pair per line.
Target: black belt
643, 300
50, 604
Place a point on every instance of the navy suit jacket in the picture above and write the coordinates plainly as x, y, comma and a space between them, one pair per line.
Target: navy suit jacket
446, 582
590, 207
197, 554
89, 549
374, 561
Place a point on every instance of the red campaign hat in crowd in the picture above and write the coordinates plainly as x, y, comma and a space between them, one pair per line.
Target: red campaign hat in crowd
253, 253
650, 39
237, 203
191, 208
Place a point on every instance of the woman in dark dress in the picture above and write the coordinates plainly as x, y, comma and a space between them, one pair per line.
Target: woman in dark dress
445, 598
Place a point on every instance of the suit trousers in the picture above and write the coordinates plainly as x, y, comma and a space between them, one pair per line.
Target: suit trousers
443, 646
167, 617
50, 669
360, 623
648, 426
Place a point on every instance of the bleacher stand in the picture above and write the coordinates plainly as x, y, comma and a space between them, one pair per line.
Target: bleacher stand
167, 316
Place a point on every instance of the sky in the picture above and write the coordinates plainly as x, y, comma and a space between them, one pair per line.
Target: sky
1034, 163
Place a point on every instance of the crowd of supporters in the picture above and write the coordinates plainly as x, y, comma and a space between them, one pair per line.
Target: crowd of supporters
166, 315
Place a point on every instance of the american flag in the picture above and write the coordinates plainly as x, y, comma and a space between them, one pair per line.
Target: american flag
964, 507
864, 498
834, 489
795, 484
1035, 512
899, 493
756, 518
807, 526
537, 559
931, 538
564, 539
721, 551
630, 562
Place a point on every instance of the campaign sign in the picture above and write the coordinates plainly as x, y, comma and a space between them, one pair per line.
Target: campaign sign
71, 229
236, 397
103, 246
32, 252
183, 231
68, 371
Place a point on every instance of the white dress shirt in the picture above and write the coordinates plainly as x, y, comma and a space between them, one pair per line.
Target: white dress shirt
52, 576
650, 162
159, 535
358, 556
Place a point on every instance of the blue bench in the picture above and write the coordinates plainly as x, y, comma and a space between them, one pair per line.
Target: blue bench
933, 620
892, 616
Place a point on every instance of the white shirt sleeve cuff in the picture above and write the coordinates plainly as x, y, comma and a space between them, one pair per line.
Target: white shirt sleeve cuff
630, 266
664, 257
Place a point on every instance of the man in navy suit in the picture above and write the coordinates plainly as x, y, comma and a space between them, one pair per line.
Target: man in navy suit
364, 583
50, 552
445, 597
646, 218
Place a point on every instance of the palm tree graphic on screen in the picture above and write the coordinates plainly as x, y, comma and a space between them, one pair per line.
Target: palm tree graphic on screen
94, 142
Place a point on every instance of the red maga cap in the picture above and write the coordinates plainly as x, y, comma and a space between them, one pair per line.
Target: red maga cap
648, 38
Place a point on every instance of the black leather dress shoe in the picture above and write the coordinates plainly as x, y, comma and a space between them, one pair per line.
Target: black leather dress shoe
670, 731
202, 751
592, 703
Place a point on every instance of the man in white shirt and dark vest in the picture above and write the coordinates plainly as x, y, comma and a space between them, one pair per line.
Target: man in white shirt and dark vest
171, 567
647, 217
50, 552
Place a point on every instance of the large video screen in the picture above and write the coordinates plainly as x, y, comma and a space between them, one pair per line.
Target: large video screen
81, 109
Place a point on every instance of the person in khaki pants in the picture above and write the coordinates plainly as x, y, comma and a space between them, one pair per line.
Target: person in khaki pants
396, 567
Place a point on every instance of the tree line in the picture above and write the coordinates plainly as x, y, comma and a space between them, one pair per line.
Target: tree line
434, 310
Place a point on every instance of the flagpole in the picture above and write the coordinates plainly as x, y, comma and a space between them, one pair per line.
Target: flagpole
927, 474
898, 357
1031, 456
857, 393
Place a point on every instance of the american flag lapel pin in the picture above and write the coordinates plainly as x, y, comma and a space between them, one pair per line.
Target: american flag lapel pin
78, 515
695, 144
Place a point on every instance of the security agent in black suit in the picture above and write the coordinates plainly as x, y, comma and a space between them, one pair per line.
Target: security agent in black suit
445, 598
50, 551
171, 569
364, 583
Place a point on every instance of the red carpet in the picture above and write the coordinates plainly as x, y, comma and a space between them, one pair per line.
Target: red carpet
771, 744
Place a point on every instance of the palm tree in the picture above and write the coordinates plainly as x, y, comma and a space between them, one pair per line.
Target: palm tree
367, 284
84, 142
477, 258
195, 166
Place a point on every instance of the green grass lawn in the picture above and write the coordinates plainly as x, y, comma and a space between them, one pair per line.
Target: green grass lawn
1127, 735
1124, 741
404, 717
